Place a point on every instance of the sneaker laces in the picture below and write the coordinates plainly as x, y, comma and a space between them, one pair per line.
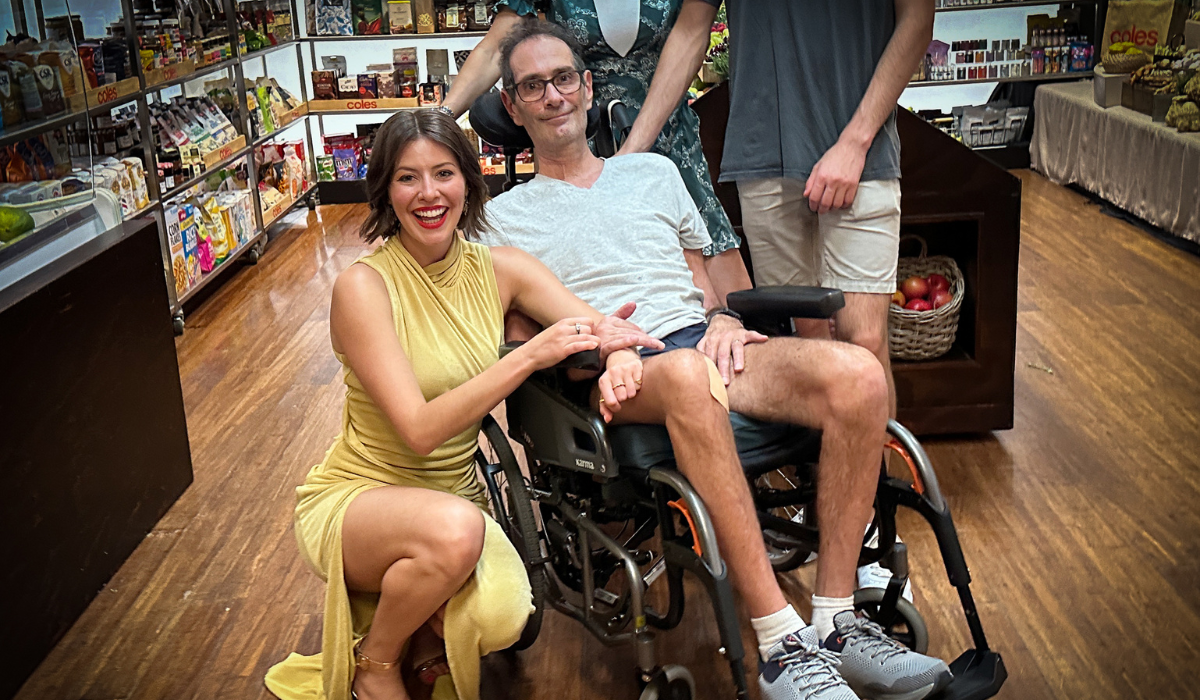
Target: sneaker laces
816, 667
876, 642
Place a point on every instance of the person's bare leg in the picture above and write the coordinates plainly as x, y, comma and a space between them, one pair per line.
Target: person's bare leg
840, 389
675, 392
728, 273
415, 547
864, 322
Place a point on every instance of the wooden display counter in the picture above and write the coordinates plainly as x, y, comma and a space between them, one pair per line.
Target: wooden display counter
965, 207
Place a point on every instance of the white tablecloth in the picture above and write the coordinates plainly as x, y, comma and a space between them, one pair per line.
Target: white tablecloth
1143, 167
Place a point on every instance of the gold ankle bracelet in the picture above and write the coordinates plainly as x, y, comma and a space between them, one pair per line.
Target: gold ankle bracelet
362, 662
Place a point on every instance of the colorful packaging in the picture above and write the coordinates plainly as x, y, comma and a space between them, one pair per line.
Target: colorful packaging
368, 16
345, 163
191, 243
325, 85
424, 16
22, 76
179, 263
368, 86
326, 171
333, 18
400, 17
348, 88
49, 90
12, 108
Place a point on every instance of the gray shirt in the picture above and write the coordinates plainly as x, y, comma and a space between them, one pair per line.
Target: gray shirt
620, 240
797, 73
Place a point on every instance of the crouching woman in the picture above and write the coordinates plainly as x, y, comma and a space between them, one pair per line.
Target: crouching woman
395, 518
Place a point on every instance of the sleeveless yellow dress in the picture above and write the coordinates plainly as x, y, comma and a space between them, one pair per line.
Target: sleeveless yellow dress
449, 319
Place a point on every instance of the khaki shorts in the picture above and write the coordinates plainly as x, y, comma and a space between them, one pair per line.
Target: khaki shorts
853, 249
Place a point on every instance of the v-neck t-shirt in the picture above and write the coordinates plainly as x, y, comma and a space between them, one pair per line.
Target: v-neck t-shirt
620, 240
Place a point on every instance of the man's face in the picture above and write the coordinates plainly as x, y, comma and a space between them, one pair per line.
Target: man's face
553, 120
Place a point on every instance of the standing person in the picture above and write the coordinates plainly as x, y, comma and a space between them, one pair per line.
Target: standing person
812, 145
395, 517
645, 54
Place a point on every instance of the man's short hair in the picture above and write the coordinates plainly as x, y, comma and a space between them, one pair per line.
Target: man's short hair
531, 28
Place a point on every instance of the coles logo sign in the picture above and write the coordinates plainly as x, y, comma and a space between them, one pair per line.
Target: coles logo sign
107, 94
362, 104
1135, 35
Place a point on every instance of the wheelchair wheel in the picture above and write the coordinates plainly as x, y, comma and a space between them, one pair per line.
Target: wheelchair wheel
784, 555
908, 627
514, 513
671, 682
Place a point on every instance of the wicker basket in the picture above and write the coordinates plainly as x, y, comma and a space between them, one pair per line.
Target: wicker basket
1124, 62
924, 335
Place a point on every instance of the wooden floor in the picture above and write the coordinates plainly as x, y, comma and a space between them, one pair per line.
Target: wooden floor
1081, 524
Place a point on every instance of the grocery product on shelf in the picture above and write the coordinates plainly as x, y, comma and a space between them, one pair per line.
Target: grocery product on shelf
376, 17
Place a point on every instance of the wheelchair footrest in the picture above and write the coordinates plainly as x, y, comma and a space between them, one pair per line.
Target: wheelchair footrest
977, 675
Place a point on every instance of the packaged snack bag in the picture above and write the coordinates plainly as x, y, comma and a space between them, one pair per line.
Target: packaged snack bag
333, 17
325, 169
324, 85
179, 265
400, 19
191, 243
368, 16
49, 89
217, 225
12, 107
345, 163
22, 76
137, 176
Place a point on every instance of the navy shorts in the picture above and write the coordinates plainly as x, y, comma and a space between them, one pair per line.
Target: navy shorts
688, 337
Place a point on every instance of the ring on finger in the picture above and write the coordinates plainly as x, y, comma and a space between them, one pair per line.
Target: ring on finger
615, 386
578, 329
638, 382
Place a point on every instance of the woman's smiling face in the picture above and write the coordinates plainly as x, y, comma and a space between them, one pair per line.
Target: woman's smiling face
427, 192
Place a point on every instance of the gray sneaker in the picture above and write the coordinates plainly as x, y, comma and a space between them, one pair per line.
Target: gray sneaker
797, 668
880, 668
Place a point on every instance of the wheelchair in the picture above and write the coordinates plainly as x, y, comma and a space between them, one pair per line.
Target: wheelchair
586, 478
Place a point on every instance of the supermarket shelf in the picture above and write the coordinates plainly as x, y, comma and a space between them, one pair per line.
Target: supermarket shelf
217, 270
285, 210
144, 210
270, 49
1020, 3
198, 73
394, 37
1047, 77
24, 131
240, 153
279, 131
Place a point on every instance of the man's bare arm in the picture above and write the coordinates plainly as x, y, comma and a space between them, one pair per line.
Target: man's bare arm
695, 263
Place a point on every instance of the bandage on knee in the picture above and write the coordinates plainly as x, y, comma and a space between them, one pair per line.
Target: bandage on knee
716, 385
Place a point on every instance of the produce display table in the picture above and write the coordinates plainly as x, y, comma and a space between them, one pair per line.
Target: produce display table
1144, 167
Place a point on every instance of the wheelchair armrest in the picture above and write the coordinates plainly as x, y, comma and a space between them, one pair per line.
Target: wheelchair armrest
586, 360
777, 304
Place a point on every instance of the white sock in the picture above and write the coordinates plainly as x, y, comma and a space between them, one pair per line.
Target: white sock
772, 628
823, 611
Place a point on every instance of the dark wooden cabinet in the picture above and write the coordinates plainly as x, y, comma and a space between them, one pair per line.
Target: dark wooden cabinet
93, 437
968, 208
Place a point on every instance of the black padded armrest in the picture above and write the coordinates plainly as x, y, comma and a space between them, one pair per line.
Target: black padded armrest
586, 360
772, 304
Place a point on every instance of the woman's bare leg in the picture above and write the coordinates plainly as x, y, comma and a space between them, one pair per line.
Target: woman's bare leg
415, 547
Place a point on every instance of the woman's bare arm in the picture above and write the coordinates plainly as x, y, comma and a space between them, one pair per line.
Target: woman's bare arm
482, 68
677, 66
362, 328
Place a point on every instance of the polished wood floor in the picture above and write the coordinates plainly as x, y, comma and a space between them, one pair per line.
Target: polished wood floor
1081, 523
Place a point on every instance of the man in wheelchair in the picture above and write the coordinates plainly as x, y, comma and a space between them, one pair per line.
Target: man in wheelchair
625, 228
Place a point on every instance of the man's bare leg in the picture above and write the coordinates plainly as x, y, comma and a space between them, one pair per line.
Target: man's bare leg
840, 389
864, 322
675, 392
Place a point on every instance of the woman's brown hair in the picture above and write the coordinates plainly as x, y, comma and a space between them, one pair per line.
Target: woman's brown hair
393, 137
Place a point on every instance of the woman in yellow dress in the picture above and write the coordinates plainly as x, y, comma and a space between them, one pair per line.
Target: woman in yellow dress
395, 518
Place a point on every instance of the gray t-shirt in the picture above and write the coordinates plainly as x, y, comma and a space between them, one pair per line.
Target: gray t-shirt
797, 73
620, 240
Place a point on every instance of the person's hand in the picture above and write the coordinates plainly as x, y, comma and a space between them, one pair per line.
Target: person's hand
834, 179
617, 333
725, 343
556, 343
620, 382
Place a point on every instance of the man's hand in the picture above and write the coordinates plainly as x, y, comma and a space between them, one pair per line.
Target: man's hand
834, 180
725, 341
617, 333
620, 382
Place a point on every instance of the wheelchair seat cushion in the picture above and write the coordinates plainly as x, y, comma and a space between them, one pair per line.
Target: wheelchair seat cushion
761, 446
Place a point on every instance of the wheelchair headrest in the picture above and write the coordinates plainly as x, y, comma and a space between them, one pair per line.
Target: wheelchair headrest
490, 120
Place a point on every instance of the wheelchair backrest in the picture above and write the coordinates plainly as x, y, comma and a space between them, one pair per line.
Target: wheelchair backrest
607, 125
555, 431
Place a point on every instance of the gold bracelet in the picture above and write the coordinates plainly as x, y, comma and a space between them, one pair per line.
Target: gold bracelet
362, 662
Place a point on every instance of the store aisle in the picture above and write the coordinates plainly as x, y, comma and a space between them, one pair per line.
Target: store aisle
1079, 523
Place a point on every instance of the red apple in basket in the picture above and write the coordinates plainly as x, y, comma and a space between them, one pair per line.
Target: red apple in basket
898, 298
914, 288
918, 305
937, 282
940, 297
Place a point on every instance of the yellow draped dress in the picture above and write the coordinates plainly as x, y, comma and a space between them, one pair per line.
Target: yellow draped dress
449, 319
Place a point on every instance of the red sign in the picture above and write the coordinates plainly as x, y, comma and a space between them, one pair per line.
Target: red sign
1138, 36
362, 104
170, 72
108, 93
225, 152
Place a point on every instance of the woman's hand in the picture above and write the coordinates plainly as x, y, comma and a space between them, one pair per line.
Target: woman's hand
620, 382
563, 339
616, 332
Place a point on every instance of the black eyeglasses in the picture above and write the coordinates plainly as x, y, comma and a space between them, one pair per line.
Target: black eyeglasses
566, 82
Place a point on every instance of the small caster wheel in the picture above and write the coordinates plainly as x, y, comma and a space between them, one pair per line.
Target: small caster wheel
177, 322
255, 253
311, 202
906, 627
671, 682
